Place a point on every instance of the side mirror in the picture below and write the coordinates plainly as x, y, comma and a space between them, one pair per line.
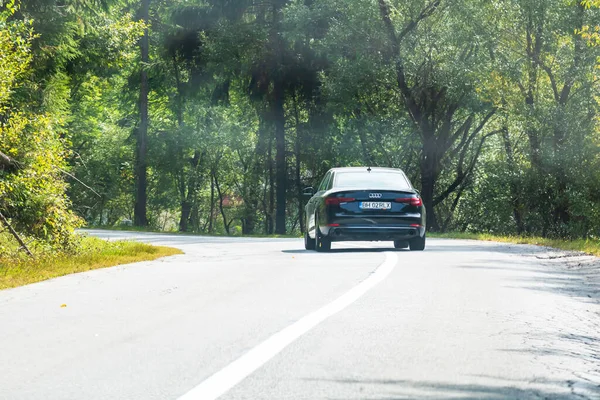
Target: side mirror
309, 192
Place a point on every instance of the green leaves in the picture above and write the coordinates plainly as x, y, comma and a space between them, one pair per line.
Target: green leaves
32, 196
492, 106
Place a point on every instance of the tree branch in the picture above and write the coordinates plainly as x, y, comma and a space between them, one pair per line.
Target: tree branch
384, 10
8, 164
425, 13
15, 235
78, 180
461, 174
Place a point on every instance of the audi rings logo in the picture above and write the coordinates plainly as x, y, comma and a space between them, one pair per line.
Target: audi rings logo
375, 195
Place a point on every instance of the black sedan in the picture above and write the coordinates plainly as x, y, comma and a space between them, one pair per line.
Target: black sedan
364, 204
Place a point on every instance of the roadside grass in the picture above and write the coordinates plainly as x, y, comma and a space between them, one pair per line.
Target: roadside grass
93, 253
588, 246
215, 234
126, 228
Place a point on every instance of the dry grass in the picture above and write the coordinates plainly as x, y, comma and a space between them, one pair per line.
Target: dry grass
588, 246
93, 254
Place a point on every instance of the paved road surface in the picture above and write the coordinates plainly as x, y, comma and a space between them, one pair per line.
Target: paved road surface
264, 319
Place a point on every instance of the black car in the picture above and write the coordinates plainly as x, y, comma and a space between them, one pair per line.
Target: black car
364, 204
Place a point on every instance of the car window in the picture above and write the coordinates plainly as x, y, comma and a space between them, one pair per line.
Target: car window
372, 180
324, 182
331, 180
407, 180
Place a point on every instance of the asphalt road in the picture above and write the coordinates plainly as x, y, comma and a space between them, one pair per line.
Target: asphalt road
264, 319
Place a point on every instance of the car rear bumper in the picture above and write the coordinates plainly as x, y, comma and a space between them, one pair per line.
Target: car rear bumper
373, 233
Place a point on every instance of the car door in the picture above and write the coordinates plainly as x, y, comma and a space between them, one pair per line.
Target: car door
314, 203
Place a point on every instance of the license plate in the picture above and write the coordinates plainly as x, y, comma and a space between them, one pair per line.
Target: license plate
376, 205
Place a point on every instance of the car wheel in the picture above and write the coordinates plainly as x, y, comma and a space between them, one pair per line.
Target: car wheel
400, 244
309, 244
322, 243
417, 244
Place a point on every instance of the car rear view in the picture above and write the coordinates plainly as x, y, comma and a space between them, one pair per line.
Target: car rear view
365, 204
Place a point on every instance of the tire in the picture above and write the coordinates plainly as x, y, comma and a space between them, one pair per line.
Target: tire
322, 243
400, 244
417, 244
309, 244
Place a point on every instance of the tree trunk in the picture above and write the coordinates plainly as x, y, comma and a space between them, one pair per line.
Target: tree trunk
271, 188
212, 204
299, 183
248, 224
280, 158
561, 211
195, 218
189, 200
186, 209
428, 178
533, 49
220, 194
297, 150
515, 198
446, 222
263, 161
562, 202
140, 214
265, 204
101, 219
278, 114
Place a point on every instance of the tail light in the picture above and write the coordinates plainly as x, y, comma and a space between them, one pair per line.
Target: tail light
413, 201
334, 201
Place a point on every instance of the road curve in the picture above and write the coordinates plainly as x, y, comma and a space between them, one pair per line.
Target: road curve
462, 320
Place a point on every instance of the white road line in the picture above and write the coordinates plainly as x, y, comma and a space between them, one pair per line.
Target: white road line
234, 373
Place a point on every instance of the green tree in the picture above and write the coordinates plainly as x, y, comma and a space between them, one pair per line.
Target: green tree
32, 148
141, 167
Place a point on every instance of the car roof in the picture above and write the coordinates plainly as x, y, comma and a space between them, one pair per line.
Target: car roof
365, 169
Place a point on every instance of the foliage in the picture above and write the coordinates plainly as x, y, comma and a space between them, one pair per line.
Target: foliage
32, 196
493, 116
590, 32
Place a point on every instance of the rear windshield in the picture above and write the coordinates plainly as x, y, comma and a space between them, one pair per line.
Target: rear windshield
371, 180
